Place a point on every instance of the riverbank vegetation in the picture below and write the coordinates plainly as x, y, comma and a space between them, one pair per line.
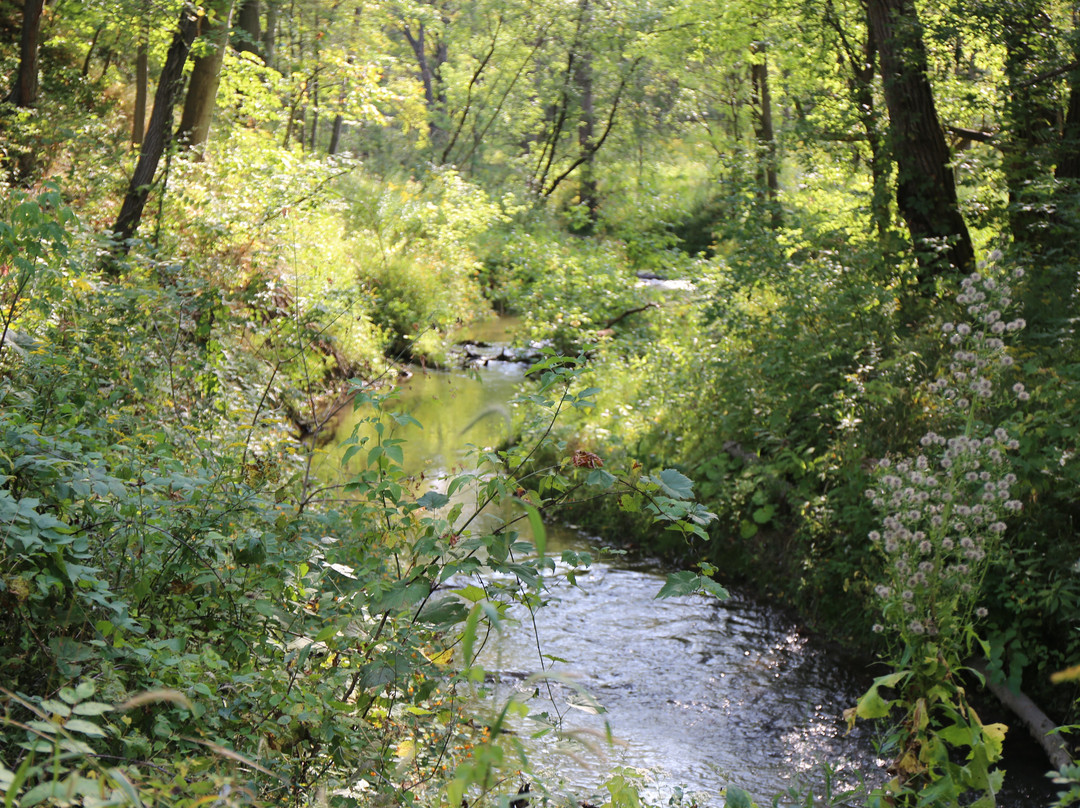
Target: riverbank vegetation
819, 258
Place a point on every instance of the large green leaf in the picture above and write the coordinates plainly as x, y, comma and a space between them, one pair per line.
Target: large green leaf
674, 483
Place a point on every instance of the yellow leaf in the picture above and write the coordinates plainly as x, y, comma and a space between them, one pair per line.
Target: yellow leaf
439, 657
406, 750
1067, 675
995, 736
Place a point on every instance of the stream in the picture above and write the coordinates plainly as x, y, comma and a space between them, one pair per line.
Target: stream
697, 694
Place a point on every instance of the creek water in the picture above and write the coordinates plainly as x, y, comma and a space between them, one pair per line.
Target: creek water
697, 694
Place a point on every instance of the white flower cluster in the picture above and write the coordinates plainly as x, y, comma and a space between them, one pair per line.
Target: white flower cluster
943, 508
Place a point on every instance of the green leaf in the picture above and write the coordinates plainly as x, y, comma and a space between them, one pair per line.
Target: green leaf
471, 593
92, 708
537, 525
764, 514
747, 529
674, 483
84, 727
447, 612
735, 797
401, 595
872, 705
433, 500
689, 583
604, 479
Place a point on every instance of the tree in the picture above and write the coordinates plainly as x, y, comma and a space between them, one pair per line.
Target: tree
25, 90
925, 187
763, 129
198, 110
157, 133
248, 35
142, 81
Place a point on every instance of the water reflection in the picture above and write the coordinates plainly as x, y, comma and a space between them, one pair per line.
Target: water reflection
698, 693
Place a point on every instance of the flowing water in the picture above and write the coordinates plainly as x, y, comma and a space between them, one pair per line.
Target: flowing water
697, 694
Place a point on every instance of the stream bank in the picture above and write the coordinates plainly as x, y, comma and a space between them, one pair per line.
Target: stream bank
698, 694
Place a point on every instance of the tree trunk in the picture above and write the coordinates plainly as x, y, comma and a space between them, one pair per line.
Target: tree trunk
583, 78
269, 37
248, 35
201, 96
862, 63
764, 133
25, 91
314, 95
926, 189
142, 81
1067, 170
335, 135
169, 85
1031, 116
90, 50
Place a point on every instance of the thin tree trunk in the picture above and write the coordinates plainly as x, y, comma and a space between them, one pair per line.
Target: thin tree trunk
142, 81
90, 50
314, 113
159, 130
861, 89
269, 37
194, 129
335, 134
763, 131
583, 78
926, 189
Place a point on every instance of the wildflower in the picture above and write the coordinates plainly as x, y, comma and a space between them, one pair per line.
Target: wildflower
981, 612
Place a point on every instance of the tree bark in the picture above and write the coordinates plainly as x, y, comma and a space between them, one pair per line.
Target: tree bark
169, 85
764, 132
1067, 169
248, 35
583, 78
194, 129
926, 189
1031, 115
269, 37
25, 91
142, 81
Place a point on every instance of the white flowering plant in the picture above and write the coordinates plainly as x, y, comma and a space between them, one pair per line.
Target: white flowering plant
943, 510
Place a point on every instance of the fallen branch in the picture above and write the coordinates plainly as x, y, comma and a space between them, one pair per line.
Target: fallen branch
1037, 722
